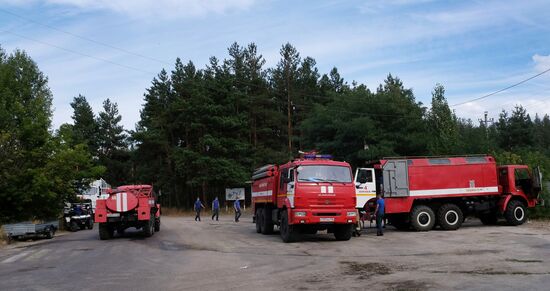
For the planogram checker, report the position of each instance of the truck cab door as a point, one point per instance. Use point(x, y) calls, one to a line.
point(365, 186)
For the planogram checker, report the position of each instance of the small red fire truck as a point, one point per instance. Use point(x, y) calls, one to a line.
point(428, 191)
point(306, 195)
point(128, 206)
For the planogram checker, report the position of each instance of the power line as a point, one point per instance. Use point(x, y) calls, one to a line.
point(79, 53)
point(503, 89)
point(85, 38)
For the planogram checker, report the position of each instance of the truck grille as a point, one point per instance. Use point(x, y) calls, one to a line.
point(326, 214)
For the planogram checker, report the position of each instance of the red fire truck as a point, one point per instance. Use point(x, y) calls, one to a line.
point(428, 191)
point(128, 206)
point(306, 195)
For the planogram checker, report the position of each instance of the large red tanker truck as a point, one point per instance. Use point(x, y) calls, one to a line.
point(128, 206)
point(422, 192)
point(305, 195)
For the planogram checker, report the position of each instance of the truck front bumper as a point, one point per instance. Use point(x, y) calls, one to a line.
point(324, 216)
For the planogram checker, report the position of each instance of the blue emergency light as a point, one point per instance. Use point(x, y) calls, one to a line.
point(318, 157)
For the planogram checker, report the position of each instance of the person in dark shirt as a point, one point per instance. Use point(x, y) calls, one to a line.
point(198, 208)
point(237, 207)
point(215, 208)
point(379, 214)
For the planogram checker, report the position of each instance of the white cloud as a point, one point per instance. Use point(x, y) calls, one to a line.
point(542, 63)
point(171, 9)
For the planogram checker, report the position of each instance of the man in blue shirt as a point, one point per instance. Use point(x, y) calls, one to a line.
point(379, 213)
point(215, 208)
point(237, 207)
point(198, 208)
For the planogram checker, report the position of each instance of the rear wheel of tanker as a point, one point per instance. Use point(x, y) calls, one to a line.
point(287, 233)
point(157, 224)
point(267, 224)
point(490, 218)
point(422, 218)
point(105, 231)
point(450, 217)
point(148, 228)
point(515, 213)
point(343, 232)
point(259, 213)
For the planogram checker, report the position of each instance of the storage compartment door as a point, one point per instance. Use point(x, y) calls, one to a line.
point(396, 178)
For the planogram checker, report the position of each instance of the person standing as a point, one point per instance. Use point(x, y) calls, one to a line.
point(215, 208)
point(379, 213)
point(237, 207)
point(198, 208)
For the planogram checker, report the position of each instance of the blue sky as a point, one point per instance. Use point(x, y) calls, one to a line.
point(471, 47)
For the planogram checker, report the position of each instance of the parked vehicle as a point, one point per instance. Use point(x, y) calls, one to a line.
point(28, 230)
point(422, 192)
point(308, 194)
point(128, 206)
point(78, 216)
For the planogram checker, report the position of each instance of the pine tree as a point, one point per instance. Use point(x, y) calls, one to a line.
point(113, 152)
point(85, 127)
point(442, 124)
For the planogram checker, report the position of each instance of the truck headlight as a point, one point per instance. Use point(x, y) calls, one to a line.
point(300, 213)
point(352, 213)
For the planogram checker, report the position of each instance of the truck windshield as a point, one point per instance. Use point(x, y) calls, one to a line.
point(324, 174)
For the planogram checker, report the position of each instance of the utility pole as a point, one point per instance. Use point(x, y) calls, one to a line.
point(485, 122)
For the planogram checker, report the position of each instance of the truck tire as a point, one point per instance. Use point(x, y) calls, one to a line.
point(489, 218)
point(259, 222)
point(422, 218)
point(515, 213)
point(267, 224)
point(157, 224)
point(74, 226)
point(450, 217)
point(343, 232)
point(82, 226)
point(148, 228)
point(105, 231)
point(90, 224)
point(287, 233)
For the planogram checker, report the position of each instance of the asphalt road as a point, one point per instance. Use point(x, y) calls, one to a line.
point(224, 255)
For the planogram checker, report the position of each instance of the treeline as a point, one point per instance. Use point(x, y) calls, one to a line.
point(205, 129)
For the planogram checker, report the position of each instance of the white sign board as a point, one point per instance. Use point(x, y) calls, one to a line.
point(232, 194)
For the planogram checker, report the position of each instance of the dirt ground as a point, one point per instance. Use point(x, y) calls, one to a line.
point(225, 255)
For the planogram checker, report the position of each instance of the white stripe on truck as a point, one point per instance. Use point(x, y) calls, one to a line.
point(124, 201)
point(262, 193)
point(453, 191)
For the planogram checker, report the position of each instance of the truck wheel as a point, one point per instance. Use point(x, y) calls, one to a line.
point(267, 224)
point(450, 217)
point(148, 228)
point(157, 224)
point(105, 231)
point(259, 222)
point(50, 233)
point(490, 218)
point(515, 213)
point(82, 226)
point(287, 233)
point(422, 218)
point(90, 224)
point(74, 226)
point(343, 232)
